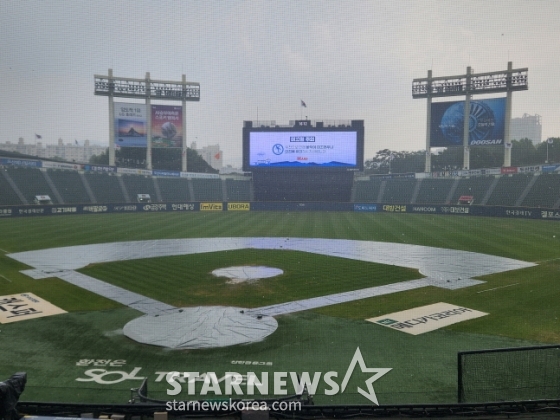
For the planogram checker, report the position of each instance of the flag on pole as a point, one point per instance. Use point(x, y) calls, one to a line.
point(76, 141)
point(37, 136)
point(508, 145)
point(550, 141)
point(303, 104)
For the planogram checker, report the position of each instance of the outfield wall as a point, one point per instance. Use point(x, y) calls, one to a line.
point(474, 210)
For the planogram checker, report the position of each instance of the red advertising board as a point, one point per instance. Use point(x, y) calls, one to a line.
point(509, 170)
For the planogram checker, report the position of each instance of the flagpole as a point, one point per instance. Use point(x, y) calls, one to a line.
point(302, 105)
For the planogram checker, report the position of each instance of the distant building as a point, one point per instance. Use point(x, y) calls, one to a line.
point(526, 127)
point(211, 154)
point(68, 152)
point(228, 169)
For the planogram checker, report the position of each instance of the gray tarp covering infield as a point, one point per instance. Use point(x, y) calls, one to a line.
point(207, 326)
point(445, 268)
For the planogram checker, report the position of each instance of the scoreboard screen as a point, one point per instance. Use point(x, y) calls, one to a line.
point(303, 148)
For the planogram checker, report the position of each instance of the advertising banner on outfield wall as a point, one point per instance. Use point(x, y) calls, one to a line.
point(474, 210)
point(506, 170)
point(21, 162)
point(199, 175)
point(486, 123)
point(167, 126)
point(62, 165)
point(159, 172)
point(372, 208)
point(551, 168)
point(130, 125)
point(211, 206)
point(239, 206)
point(100, 168)
point(134, 171)
point(529, 169)
point(409, 175)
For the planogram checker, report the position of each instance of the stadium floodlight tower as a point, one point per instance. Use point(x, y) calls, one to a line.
point(488, 121)
point(133, 123)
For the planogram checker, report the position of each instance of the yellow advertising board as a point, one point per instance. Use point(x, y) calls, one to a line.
point(211, 206)
point(239, 206)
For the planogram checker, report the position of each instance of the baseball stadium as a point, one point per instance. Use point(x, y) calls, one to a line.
point(140, 283)
point(322, 286)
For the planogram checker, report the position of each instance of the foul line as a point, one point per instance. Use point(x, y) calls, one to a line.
point(5, 278)
point(496, 288)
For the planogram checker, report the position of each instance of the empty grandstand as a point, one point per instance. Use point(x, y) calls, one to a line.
point(19, 186)
point(174, 189)
point(106, 188)
point(208, 190)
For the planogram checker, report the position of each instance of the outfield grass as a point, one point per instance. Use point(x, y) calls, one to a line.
point(522, 304)
point(528, 240)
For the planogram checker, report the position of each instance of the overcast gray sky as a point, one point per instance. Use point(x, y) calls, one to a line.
point(258, 59)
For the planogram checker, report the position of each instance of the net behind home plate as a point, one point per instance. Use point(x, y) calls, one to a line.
point(513, 374)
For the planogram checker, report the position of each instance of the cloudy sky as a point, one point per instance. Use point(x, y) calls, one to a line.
point(258, 59)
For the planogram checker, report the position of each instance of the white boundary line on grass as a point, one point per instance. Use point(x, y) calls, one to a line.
point(496, 288)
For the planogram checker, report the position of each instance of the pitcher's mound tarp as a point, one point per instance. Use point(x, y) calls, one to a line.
point(201, 327)
point(246, 273)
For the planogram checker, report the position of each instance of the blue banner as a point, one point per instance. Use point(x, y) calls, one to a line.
point(486, 123)
point(100, 168)
point(365, 207)
point(21, 162)
point(159, 172)
point(551, 168)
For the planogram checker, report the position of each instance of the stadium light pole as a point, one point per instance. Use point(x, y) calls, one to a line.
point(147, 89)
point(467, 85)
point(111, 119)
point(466, 123)
point(184, 145)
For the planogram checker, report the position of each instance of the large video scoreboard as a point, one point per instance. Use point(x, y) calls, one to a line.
point(304, 146)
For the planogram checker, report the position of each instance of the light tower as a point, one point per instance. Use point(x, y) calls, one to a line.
point(146, 89)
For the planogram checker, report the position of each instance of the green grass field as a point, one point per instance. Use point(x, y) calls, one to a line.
point(522, 304)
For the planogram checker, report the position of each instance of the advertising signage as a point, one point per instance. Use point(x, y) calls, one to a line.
point(130, 125)
point(295, 148)
point(167, 126)
point(486, 123)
